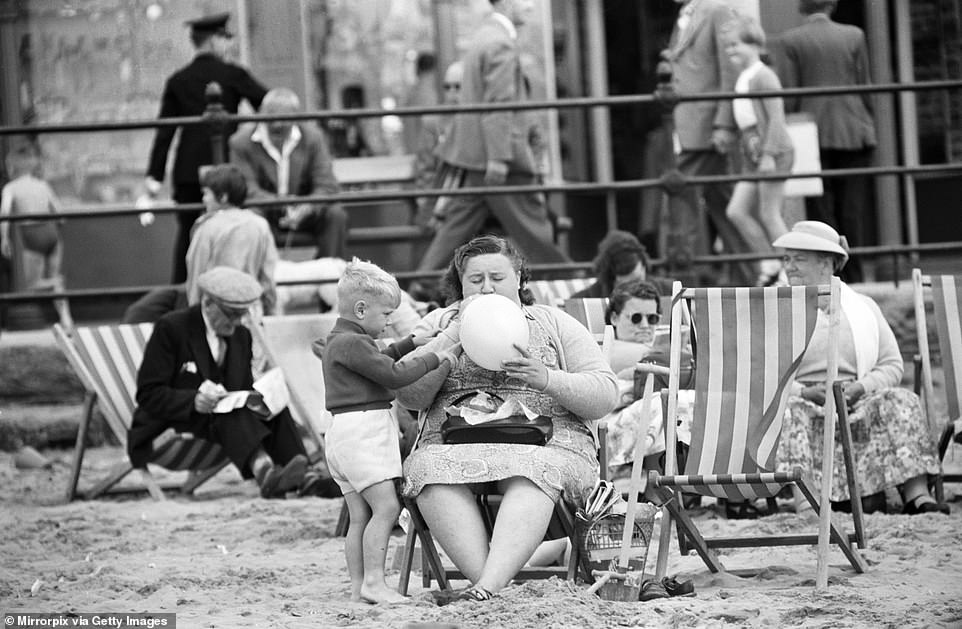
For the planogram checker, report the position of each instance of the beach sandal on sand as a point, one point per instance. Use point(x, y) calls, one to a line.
point(475, 593)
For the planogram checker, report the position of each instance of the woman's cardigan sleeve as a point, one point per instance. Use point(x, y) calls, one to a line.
point(586, 385)
point(887, 371)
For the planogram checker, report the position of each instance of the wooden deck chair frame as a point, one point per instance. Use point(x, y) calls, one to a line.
point(946, 292)
point(106, 359)
point(743, 484)
point(432, 566)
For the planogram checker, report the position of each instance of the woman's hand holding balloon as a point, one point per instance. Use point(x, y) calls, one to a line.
point(530, 370)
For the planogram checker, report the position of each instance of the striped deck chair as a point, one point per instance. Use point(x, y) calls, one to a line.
point(287, 343)
point(555, 292)
point(590, 312)
point(749, 344)
point(946, 293)
point(106, 359)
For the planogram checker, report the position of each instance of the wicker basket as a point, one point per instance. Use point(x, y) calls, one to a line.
point(601, 539)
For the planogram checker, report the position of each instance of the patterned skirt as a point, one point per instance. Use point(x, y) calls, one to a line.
point(891, 442)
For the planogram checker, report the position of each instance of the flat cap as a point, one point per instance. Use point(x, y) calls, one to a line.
point(230, 287)
point(216, 23)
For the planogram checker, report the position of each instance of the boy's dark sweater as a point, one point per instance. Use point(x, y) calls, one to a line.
point(358, 376)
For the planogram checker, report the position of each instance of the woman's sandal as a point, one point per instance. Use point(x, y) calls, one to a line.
point(475, 593)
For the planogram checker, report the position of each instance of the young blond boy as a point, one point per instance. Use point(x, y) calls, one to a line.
point(362, 446)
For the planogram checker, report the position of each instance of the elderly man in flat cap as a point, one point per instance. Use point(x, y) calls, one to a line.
point(184, 95)
point(193, 358)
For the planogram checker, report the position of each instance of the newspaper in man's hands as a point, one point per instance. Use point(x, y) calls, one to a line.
point(270, 393)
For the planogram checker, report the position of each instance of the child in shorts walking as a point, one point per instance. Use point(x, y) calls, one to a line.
point(362, 447)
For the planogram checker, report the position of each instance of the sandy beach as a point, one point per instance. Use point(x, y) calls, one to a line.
point(226, 558)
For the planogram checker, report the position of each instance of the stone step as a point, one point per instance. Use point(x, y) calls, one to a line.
point(34, 370)
point(48, 425)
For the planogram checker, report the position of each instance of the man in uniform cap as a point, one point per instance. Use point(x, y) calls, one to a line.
point(184, 95)
point(193, 358)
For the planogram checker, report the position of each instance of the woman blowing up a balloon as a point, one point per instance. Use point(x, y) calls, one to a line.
point(536, 355)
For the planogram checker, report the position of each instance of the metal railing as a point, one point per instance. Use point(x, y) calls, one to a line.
point(672, 181)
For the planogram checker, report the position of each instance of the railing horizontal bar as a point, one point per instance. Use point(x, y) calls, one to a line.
point(537, 271)
point(350, 197)
point(562, 103)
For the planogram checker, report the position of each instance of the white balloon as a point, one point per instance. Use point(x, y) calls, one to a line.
point(491, 325)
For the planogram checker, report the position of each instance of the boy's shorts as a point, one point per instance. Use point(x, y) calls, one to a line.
point(363, 449)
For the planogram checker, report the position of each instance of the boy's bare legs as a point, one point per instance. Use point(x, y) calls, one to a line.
point(381, 499)
point(360, 515)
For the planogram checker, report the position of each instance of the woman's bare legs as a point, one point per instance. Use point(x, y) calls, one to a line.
point(741, 212)
point(452, 514)
point(518, 530)
point(745, 212)
point(455, 522)
point(771, 195)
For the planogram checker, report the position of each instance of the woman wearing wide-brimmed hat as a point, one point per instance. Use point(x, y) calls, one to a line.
point(892, 446)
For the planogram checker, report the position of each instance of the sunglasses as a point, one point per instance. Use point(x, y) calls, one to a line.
point(451, 86)
point(652, 317)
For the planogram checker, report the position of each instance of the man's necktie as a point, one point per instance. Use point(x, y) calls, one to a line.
point(221, 350)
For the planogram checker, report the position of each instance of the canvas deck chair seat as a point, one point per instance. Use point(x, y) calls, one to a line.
point(106, 359)
point(946, 295)
point(749, 343)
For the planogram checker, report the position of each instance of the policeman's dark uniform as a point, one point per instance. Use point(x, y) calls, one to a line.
point(184, 96)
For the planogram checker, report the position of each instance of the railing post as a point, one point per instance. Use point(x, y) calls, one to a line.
point(216, 119)
point(679, 246)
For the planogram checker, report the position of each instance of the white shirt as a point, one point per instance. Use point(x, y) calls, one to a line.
point(684, 17)
point(742, 108)
point(213, 340)
point(282, 157)
point(506, 23)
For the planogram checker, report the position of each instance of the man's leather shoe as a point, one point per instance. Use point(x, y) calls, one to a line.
point(276, 481)
point(318, 484)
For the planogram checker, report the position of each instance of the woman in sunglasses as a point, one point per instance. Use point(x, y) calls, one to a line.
point(634, 310)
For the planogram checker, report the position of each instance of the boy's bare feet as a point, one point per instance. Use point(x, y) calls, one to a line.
point(381, 594)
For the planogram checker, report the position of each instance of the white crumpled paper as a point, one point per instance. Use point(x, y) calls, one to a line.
point(472, 415)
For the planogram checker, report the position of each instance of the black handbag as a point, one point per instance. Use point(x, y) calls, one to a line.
point(514, 429)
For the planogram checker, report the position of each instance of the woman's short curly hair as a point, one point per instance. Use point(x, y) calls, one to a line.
point(453, 289)
point(619, 252)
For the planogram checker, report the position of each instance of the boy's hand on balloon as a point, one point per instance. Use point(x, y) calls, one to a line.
point(530, 370)
point(450, 354)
